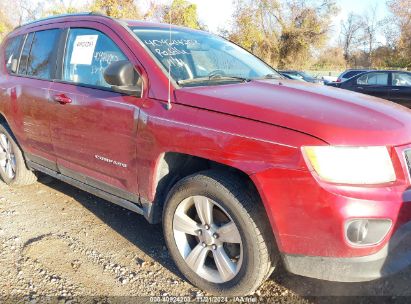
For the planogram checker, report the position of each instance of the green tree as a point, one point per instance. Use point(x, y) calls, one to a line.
point(5, 25)
point(122, 9)
point(247, 31)
point(62, 9)
point(180, 12)
point(331, 58)
point(283, 32)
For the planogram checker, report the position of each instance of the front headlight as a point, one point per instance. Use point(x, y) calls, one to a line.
point(351, 165)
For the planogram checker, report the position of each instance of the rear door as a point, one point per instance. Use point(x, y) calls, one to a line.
point(10, 57)
point(373, 83)
point(32, 107)
point(400, 90)
point(93, 128)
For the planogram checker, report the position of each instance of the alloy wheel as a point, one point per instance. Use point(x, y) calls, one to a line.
point(208, 239)
point(7, 157)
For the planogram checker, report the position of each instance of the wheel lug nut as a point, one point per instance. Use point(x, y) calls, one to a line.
point(204, 245)
point(215, 235)
point(207, 227)
point(214, 247)
point(199, 232)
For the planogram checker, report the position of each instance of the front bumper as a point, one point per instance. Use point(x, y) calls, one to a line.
point(394, 257)
point(309, 217)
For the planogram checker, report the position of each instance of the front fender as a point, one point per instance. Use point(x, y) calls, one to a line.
point(246, 145)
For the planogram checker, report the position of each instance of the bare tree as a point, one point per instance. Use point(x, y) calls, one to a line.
point(371, 26)
point(20, 11)
point(350, 35)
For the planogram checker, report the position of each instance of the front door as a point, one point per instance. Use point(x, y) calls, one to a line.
point(374, 83)
point(94, 129)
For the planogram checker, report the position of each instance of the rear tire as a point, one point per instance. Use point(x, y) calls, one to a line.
point(13, 169)
point(199, 246)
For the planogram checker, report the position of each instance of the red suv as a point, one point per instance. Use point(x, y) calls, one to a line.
point(243, 168)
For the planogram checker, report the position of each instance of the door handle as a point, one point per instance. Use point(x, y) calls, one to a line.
point(62, 99)
point(395, 89)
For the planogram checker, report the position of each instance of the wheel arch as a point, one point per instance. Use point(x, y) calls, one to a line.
point(3, 119)
point(171, 167)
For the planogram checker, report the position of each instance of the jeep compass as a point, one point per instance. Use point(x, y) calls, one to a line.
point(242, 167)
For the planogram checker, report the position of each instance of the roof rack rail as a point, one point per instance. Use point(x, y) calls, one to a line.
point(62, 16)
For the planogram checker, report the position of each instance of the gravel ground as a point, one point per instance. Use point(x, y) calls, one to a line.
point(58, 243)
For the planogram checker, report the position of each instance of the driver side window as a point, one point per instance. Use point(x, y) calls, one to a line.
point(401, 79)
point(89, 53)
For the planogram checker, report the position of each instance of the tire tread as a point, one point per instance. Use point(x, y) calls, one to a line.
point(24, 176)
point(249, 204)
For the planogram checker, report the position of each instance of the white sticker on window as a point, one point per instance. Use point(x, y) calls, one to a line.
point(83, 49)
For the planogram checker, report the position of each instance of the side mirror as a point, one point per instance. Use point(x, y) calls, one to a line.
point(123, 78)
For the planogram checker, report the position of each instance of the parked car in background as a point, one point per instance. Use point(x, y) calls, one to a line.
point(349, 74)
point(302, 75)
point(292, 77)
point(328, 79)
point(391, 85)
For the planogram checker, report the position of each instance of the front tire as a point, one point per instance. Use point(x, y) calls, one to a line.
point(218, 234)
point(13, 169)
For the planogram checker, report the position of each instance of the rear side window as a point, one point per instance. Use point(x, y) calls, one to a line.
point(373, 79)
point(352, 74)
point(42, 60)
point(25, 54)
point(12, 53)
point(88, 54)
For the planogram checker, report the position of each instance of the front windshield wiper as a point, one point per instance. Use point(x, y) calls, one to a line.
point(215, 78)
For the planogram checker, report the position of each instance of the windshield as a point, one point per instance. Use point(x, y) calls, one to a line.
point(198, 58)
point(294, 75)
point(306, 75)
